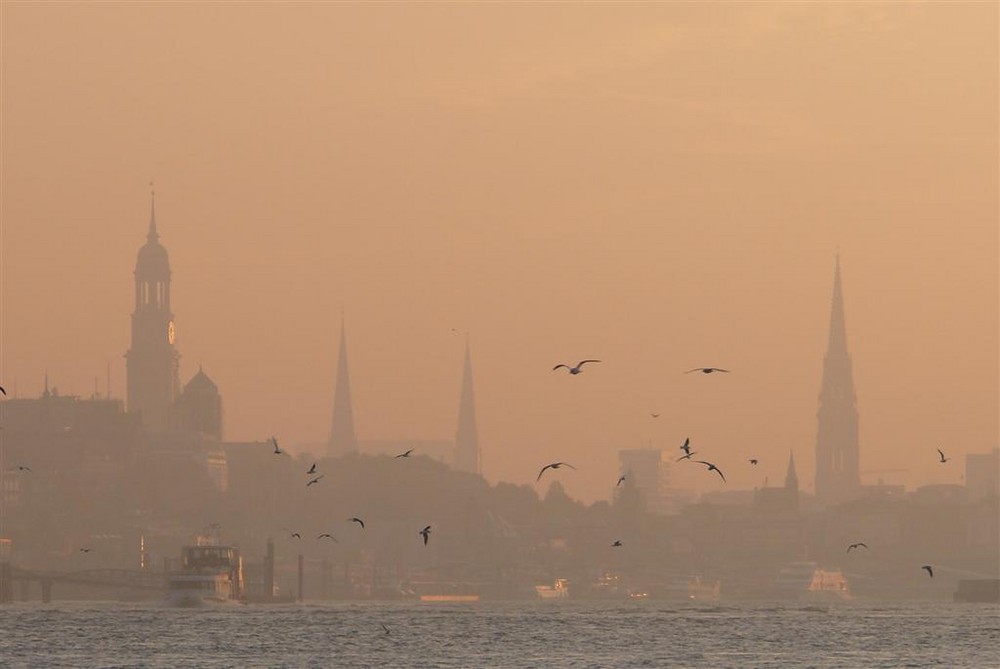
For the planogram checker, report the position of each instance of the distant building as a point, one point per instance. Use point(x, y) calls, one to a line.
point(152, 362)
point(780, 500)
point(982, 474)
point(466, 436)
point(838, 477)
point(650, 473)
point(343, 439)
point(199, 407)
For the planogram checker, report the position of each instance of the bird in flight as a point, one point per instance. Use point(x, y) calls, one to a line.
point(383, 624)
point(943, 459)
point(621, 479)
point(328, 536)
point(277, 451)
point(860, 544)
point(425, 533)
point(2, 391)
point(687, 456)
point(20, 468)
point(574, 370)
point(707, 370)
point(311, 470)
point(315, 480)
point(358, 521)
point(711, 468)
point(554, 465)
point(753, 461)
point(295, 535)
point(686, 446)
point(655, 415)
point(84, 550)
point(404, 455)
point(929, 569)
point(617, 543)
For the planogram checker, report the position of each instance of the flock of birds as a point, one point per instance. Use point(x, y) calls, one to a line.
point(425, 533)
point(688, 453)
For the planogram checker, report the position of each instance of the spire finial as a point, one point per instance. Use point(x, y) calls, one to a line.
point(152, 236)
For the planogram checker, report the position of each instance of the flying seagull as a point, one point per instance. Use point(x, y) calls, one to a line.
point(2, 391)
point(383, 624)
point(404, 455)
point(943, 459)
point(753, 461)
point(686, 446)
point(358, 521)
point(277, 451)
point(711, 468)
point(574, 370)
point(20, 468)
point(425, 533)
point(930, 570)
point(328, 536)
point(295, 535)
point(311, 470)
point(617, 543)
point(860, 544)
point(687, 456)
point(655, 415)
point(621, 479)
point(554, 465)
point(315, 480)
point(707, 370)
point(84, 550)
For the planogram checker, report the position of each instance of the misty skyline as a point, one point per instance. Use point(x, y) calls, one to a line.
point(635, 186)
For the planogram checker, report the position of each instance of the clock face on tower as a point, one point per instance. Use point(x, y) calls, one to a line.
point(171, 332)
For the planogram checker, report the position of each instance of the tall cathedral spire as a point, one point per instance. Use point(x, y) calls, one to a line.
point(342, 437)
point(791, 477)
point(837, 452)
point(467, 437)
point(152, 361)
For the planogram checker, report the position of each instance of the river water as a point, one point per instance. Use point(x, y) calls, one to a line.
point(499, 634)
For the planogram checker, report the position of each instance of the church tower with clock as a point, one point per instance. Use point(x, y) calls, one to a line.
point(152, 362)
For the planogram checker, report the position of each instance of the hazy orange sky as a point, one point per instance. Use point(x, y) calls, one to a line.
point(660, 186)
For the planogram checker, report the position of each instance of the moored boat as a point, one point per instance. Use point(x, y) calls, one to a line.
point(210, 574)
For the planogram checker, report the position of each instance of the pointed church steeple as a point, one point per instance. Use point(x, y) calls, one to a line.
point(791, 477)
point(467, 436)
point(152, 236)
point(152, 361)
point(343, 440)
point(838, 475)
point(837, 341)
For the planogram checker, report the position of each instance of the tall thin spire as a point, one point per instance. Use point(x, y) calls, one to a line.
point(343, 440)
point(838, 476)
point(838, 327)
point(791, 477)
point(467, 436)
point(152, 236)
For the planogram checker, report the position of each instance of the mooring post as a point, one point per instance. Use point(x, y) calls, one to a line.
point(6, 583)
point(301, 580)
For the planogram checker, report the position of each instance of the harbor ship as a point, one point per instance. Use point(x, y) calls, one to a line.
point(210, 574)
point(807, 581)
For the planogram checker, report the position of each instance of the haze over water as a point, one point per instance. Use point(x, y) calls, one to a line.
point(658, 186)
